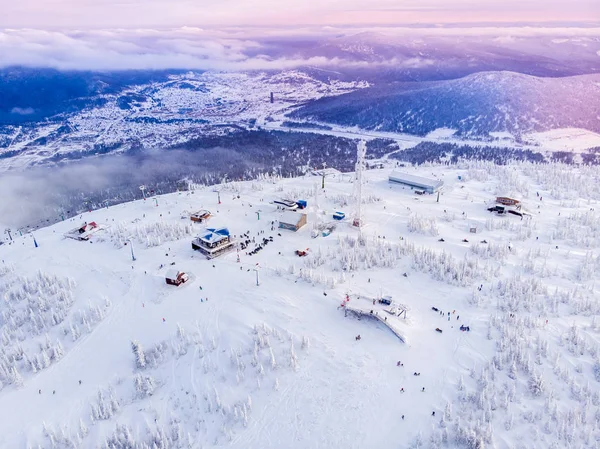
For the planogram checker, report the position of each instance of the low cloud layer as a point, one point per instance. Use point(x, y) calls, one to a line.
point(232, 49)
point(41, 195)
point(185, 48)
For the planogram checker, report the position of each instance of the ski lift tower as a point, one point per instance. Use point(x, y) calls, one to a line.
point(217, 190)
point(361, 151)
point(257, 269)
point(324, 173)
point(143, 189)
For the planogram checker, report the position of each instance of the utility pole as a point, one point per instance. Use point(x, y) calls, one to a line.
point(438, 197)
point(323, 177)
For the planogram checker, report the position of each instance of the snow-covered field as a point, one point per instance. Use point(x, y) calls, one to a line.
point(96, 350)
point(565, 139)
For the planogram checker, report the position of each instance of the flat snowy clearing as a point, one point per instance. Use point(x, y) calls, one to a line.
point(566, 139)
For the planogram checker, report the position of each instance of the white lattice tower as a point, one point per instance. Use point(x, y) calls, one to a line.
point(361, 151)
point(316, 210)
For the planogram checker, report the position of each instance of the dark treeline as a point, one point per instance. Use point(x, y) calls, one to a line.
point(452, 153)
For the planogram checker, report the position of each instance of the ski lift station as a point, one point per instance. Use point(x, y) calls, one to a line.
point(292, 220)
point(416, 182)
point(84, 232)
point(286, 204)
point(213, 242)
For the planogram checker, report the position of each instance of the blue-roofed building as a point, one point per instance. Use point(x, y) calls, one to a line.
point(213, 242)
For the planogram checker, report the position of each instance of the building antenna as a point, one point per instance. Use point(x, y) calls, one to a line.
point(361, 151)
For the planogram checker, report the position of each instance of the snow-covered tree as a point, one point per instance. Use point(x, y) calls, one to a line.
point(138, 352)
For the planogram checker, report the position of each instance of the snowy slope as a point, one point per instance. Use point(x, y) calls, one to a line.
point(475, 105)
point(227, 363)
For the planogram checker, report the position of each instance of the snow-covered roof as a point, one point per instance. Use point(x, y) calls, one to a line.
point(213, 235)
point(286, 203)
point(201, 213)
point(172, 274)
point(290, 217)
point(415, 180)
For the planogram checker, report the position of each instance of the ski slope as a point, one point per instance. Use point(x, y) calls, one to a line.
point(229, 363)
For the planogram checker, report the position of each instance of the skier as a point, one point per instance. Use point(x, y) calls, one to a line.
point(423, 389)
point(402, 390)
point(432, 413)
point(80, 382)
point(402, 417)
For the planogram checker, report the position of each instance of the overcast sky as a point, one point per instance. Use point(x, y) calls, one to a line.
point(209, 13)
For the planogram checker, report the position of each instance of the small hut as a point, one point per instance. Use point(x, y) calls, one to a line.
point(175, 277)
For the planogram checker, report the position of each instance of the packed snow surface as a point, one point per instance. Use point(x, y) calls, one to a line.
point(566, 139)
point(96, 350)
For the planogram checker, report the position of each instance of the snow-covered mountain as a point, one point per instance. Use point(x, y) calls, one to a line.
point(475, 105)
point(257, 351)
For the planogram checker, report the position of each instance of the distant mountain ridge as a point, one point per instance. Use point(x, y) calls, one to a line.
point(474, 105)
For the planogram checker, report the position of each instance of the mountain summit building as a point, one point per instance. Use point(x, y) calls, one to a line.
point(416, 182)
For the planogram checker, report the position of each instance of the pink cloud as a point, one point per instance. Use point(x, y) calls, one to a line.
point(175, 13)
